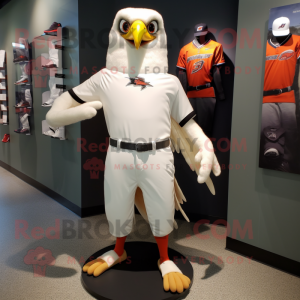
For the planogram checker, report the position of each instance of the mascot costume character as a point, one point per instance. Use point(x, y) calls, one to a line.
point(144, 107)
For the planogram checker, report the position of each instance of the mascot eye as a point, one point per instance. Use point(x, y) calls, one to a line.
point(124, 26)
point(153, 27)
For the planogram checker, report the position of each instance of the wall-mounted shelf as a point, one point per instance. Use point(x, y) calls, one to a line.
point(52, 54)
point(23, 91)
point(3, 89)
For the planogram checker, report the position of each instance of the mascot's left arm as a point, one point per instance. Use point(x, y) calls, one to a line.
point(205, 159)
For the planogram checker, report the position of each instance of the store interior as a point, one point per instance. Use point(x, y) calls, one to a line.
point(241, 241)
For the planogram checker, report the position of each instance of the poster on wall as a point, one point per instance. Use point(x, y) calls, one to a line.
point(280, 130)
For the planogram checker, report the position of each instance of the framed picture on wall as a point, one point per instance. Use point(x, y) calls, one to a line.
point(280, 120)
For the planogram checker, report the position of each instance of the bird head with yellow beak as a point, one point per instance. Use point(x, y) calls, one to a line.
point(138, 33)
point(137, 43)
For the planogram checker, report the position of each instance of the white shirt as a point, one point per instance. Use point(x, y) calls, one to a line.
point(138, 113)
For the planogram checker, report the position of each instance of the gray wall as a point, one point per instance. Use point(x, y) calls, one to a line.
point(56, 164)
point(270, 199)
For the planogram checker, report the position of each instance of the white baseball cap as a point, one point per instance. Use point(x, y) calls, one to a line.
point(281, 26)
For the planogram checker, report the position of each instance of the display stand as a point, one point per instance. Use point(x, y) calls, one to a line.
point(23, 85)
point(51, 68)
point(3, 90)
point(138, 277)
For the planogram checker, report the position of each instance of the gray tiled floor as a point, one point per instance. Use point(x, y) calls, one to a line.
point(220, 275)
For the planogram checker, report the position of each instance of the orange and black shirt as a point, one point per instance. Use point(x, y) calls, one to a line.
point(280, 68)
point(198, 60)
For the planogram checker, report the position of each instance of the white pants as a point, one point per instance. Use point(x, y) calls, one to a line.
point(153, 172)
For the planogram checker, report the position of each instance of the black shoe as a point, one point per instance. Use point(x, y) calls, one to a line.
point(20, 59)
point(18, 130)
point(52, 30)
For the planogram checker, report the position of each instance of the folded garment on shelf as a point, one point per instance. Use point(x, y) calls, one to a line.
point(2, 58)
point(4, 117)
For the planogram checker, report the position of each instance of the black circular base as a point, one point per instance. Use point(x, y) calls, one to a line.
point(136, 278)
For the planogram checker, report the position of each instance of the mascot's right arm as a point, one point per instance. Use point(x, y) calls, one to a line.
point(66, 111)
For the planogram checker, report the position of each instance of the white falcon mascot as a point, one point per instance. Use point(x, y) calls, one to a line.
point(144, 107)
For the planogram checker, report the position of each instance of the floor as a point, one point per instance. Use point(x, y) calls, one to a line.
point(219, 274)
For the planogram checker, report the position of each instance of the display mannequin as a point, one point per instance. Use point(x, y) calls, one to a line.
point(198, 65)
point(140, 107)
point(279, 139)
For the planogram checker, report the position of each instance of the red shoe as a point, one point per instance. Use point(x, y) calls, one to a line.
point(22, 104)
point(20, 59)
point(6, 138)
point(22, 80)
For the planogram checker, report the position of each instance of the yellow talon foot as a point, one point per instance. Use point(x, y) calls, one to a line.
point(86, 266)
point(176, 282)
point(98, 266)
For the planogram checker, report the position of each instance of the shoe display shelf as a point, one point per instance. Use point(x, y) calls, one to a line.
point(55, 133)
point(3, 90)
point(23, 85)
point(50, 55)
point(52, 61)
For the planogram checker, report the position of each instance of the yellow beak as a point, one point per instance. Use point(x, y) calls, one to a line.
point(137, 33)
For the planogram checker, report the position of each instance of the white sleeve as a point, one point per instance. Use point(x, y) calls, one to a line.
point(88, 90)
point(181, 110)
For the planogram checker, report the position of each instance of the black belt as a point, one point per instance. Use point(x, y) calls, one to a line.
point(278, 91)
point(140, 147)
point(199, 87)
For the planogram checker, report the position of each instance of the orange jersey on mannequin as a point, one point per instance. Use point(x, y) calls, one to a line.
point(198, 61)
point(280, 68)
